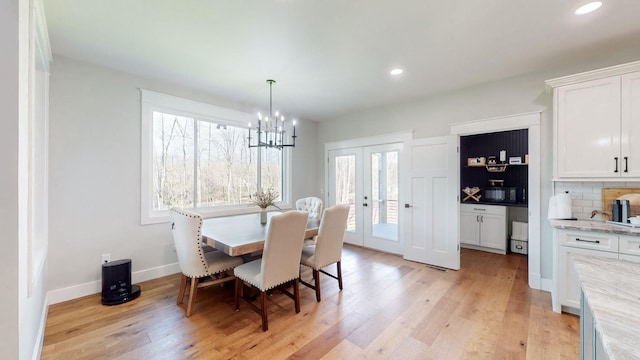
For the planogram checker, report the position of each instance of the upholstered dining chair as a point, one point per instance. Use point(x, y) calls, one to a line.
point(328, 247)
point(313, 206)
point(196, 264)
point(280, 263)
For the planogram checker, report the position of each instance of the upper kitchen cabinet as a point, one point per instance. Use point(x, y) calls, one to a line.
point(597, 124)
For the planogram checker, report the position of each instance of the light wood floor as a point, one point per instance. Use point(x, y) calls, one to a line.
point(389, 309)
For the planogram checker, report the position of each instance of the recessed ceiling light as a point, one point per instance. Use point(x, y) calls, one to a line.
point(396, 71)
point(587, 8)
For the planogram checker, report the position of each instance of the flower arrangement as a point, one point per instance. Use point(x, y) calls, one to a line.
point(263, 199)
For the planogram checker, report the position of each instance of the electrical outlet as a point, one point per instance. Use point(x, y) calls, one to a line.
point(106, 258)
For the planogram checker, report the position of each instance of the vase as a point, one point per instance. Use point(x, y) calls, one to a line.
point(263, 216)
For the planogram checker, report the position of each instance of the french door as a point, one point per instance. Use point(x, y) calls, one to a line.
point(367, 179)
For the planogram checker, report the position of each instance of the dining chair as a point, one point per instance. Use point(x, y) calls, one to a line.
point(328, 247)
point(313, 205)
point(279, 265)
point(196, 264)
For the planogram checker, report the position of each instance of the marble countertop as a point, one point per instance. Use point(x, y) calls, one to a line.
point(612, 288)
point(598, 226)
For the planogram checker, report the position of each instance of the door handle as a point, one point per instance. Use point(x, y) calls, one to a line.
point(365, 204)
point(406, 206)
point(616, 160)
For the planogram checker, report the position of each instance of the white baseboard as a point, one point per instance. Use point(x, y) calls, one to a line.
point(547, 284)
point(94, 287)
point(539, 283)
point(534, 281)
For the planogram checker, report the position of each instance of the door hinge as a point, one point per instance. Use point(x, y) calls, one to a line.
point(458, 247)
point(458, 148)
point(457, 198)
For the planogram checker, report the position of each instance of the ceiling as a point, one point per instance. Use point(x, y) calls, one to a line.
point(333, 57)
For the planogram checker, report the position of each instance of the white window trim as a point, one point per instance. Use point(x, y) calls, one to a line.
point(153, 101)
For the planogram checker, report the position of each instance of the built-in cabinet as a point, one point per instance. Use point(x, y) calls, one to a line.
point(484, 227)
point(597, 124)
point(566, 291)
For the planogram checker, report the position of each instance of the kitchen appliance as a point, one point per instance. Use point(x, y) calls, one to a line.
point(500, 194)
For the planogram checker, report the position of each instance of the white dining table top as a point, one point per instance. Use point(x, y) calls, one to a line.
point(243, 234)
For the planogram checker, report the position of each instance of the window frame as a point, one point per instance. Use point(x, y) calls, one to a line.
point(153, 101)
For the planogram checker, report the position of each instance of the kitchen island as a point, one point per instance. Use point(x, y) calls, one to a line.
point(610, 322)
point(594, 238)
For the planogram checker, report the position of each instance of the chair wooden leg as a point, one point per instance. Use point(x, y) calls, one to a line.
point(339, 274)
point(238, 293)
point(296, 294)
point(183, 287)
point(192, 295)
point(263, 308)
point(316, 279)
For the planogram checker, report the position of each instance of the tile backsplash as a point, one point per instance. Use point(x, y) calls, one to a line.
point(586, 196)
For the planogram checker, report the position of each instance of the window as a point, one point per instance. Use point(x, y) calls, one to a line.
point(196, 156)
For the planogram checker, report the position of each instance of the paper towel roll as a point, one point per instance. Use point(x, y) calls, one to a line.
point(560, 206)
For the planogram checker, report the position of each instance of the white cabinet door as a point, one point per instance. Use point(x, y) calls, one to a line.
point(588, 129)
point(493, 231)
point(568, 284)
point(484, 227)
point(631, 125)
point(469, 228)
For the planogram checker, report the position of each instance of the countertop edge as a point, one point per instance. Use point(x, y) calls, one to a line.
point(597, 226)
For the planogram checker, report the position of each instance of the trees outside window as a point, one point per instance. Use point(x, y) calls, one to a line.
point(196, 161)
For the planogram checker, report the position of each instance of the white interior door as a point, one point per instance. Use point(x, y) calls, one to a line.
point(345, 187)
point(381, 196)
point(432, 234)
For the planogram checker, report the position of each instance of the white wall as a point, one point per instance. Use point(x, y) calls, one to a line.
point(95, 175)
point(9, 179)
point(432, 116)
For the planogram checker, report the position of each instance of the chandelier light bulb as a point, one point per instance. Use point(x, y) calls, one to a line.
point(259, 116)
point(294, 123)
point(249, 124)
point(282, 118)
point(266, 119)
point(277, 113)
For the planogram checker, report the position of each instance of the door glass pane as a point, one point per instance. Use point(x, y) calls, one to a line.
point(384, 195)
point(346, 186)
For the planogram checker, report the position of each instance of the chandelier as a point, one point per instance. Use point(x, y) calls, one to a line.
point(271, 130)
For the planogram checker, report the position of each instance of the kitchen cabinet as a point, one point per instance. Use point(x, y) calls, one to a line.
point(484, 227)
point(566, 292)
point(597, 124)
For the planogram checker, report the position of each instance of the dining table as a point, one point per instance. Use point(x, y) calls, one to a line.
point(239, 235)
